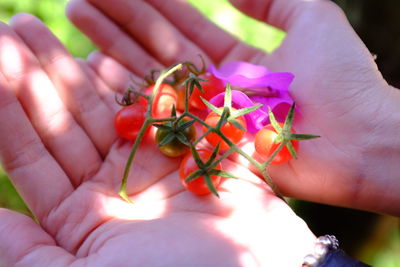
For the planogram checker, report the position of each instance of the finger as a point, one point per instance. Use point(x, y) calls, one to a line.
point(215, 42)
point(104, 91)
point(75, 90)
point(58, 130)
point(24, 243)
point(155, 33)
point(170, 37)
point(279, 13)
point(36, 175)
point(111, 39)
point(115, 75)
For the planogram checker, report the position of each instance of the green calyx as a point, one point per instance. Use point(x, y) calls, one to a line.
point(174, 137)
point(207, 169)
point(284, 133)
point(228, 113)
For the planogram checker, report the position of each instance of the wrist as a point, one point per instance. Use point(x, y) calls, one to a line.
point(380, 169)
point(323, 245)
point(327, 254)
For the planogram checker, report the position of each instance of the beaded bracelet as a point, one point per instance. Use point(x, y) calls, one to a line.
point(322, 246)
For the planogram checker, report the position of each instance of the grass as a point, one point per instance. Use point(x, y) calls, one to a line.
point(9, 197)
point(243, 27)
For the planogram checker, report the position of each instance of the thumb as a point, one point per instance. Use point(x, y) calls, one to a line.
point(24, 243)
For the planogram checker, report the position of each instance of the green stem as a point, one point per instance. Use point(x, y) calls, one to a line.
point(271, 184)
point(149, 119)
point(202, 136)
point(224, 156)
point(188, 114)
point(280, 147)
point(187, 98)
point(160, 79)
point(248, 157)
point(161, 120)
point(122, 190)
point(262, 168)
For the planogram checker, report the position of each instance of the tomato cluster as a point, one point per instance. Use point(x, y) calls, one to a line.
point(176, 135)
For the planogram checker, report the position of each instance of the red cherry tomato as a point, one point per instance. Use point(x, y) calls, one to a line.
point(265, 145)
point(228, 129)
point(130, 119)
point(188, 165)
point(163, 101)
point(181, 98)
point(211, 87)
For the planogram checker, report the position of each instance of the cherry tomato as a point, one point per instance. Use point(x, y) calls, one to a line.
point(265, 145)
point(175, 147)
point(130, 119)
point(188, 165)
point(163, 101)
point(228, 129)
point(181, 98)
point(211, 87)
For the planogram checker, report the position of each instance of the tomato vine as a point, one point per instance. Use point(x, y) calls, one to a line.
point(224, 130)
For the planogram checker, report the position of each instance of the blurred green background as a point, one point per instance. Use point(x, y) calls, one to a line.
point(373, 238)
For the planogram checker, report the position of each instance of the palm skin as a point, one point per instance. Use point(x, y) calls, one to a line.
point(61, 152)
point(339, 91)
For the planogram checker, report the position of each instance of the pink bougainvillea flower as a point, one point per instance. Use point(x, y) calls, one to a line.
point(255, 84)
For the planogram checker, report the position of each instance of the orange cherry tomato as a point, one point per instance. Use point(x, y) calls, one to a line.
point(233, 133)
point(265, 145)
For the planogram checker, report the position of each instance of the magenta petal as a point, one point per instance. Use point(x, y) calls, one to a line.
point(247, 75)
point(245, 69)
point(279, 105)
point(255, 120)
point(278, 80)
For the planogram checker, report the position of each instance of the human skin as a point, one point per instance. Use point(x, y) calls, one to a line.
point(59, 148)
point(338, 89)
point(65, 160)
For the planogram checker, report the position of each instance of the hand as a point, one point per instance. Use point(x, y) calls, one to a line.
point(340, 93)
point(59, 148)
